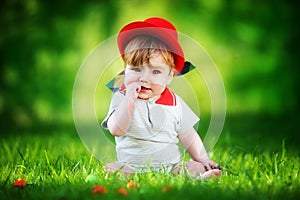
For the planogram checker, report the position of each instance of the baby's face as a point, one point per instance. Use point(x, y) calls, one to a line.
point(153, 77)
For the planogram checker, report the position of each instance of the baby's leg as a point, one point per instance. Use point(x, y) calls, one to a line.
point(194, 168)
point(115, 166)
point(197, 169)
point(211, 173)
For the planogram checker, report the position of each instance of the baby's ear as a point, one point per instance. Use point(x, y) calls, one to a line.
point(170, 76)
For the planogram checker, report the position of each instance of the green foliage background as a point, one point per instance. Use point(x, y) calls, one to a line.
point(255, 45)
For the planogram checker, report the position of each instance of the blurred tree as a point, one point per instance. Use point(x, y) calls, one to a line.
point(260, 41)
point(40, 56)
point(42, 44)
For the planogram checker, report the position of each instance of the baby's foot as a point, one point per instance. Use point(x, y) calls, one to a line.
point(211, 173)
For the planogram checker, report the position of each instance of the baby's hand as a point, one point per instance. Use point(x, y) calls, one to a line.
point(132, 90)
point(209, 165)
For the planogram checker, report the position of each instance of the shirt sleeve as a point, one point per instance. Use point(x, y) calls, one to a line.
point(188, 117)
point(115, 101)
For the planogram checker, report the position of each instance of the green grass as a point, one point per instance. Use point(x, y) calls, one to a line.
point(55, 166)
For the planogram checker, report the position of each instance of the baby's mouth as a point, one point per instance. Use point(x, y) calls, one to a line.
point(145, 88)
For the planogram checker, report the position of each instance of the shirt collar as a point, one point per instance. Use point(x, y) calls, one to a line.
point(167, 97)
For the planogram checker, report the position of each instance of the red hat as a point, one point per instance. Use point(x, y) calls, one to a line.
point(155, 27)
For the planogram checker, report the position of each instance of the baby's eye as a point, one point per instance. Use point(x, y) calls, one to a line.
point(156, 72)
point(136, 69)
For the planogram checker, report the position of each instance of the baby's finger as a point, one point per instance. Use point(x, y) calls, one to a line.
point(217, 166)
point(138, 89)
point(207, 167)
point(214, 165)
point(133, 89)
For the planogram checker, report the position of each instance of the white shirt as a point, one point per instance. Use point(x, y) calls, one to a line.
point(152, 138)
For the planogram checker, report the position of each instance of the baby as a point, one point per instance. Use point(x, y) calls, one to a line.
point(147, 119)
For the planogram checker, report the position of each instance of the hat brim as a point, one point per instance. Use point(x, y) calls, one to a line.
point(168, 36)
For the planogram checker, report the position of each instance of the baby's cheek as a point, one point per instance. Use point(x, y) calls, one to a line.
point(158, 89)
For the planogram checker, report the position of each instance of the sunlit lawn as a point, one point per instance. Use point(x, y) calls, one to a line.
point(56, 166)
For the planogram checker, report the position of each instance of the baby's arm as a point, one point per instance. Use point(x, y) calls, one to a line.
point(119, 121)
point(193, 144)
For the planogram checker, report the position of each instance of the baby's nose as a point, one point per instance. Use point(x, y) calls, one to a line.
point(145, 77)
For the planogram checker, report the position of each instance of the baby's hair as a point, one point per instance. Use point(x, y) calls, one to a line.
point(141, 48)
